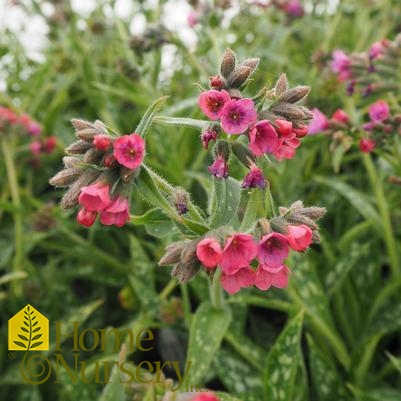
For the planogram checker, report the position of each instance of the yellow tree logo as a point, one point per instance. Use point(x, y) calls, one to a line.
point(28, 330)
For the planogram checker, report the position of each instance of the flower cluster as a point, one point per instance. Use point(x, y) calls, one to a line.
point(373, 71)
point(276, 129)
point(100, 172)
point(24, 125)
point(246, 259)
point(380, 128)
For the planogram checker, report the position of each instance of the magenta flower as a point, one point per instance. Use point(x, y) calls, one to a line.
point(95, 197)
point(379, 111)
point(301, 131)
point(193, 18)
point(340, 116)
point(232, 283)
point(340, 64)
point(238, 115)
point(273, 249)
point(49, 144)
point(116, 213)
point(376, 50)
point(36, 148)
point(294, 8)
point(209, 252)
point(366, 145)
point(287, 147)
point(263, 138)
point(86, 218)
point(319, 122)
point(238, 252)
point(254, 179)
point(267, 277)
point(212, 101)
point(207, 396)
point(129, 150)
point(299, 237)
point(219, 167)
point(102, 142)
point(210, 134)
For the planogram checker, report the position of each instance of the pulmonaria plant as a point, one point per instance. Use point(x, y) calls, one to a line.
point(272, 123)
point(15, 126)
point(99, 173)
point(235, 250)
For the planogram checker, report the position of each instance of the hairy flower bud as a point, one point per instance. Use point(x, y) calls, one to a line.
point(228, 63)
point(281, 85)
point(296, 94)
point(243, 154)
point(71, 161)
point(180, 200)
point(79, 147)
point(173, 253)
point(66, 177)
point(87, 134)
point(238, 77)
point(184, 272)
point(80, 125)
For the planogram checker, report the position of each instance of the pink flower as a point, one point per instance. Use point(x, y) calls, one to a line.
point(379, 111)
point(254, 179)
point(301, 131)
point(366, 145)
point(319, 122)
point(210, 134)
point(370, 126)
point(129, 150)
point(238, 252)
point(102, 142)
point(212, 101)
point(50, 144)
point(267, 277)
point(205, 397)
point(86, 218)
point(294, 8)
point(263, 138)
point(232, 283)
point(286, 149)
point(35, 147)
point(117, 212)
point(209, 252)
point(7, 115)
point(299, 237)
point(219, 167)
point(340, 64)
point(95, 197)
point(32, 127)
point(340, 116)
point(238, 115)
point(283, 127)
point(273, 249)
point(376, 50)
point(193, 18)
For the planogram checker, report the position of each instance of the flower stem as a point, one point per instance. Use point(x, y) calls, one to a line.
point(389, 240)
point(8, 154)
point(216, 293)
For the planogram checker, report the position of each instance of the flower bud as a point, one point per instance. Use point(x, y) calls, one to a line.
point(173, 253)
point(243, 154)
point(87, 134)
point(184, 272)
point(238, 77)
point(281, 85)
point(79, 147)
point(252, 63)
point(228, 63)
point(180, 200)
point(71, 161)
point(288, 111)
point(216, 82)
point(296, 94)
point(92, 156)
point(66, 177)
point(80, 125)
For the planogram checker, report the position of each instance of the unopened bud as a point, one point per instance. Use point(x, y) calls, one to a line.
point(314, 212)
point(281, 85)
point(180, 200)
point(80, 125)
point(92, 156)
point(228, 63)
point(288, 111)
point(87, 134)
point(243, 154)
point(184, 272)
point(173, 253)
point(252, 63)
point(71, 161)
point(315, 237)
point(188, 254)
point(238, 77)
point(64, 178)
point(222, 149)
point(216, 82)
point(301, 219)
point(296, 94)
point(78, 147)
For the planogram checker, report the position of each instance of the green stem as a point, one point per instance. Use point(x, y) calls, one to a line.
point(8, 154)
point(388, 233)
point(270, 209)
point(171, 285)
point(216, 293)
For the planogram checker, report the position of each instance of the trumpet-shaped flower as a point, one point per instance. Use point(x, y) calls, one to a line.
point(273, 249)
point(129, 150)
point(209, 252)
point(238, 115)
point(95, 197)
point(212, 101)
point(232, 283)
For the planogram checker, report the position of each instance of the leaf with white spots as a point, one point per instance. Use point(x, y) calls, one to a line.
point(208, 328)
point(226, 198)
point(283, 362)
point(325, 377)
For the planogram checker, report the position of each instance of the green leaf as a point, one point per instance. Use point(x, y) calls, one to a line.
point(226, 198)
point(36, 344)
point(208, 328)
point(22, 337)
point(156, 223)
point(114, 390)
point(255, 208)
point(357, 199)
point(36, 337)
point(226, 397)
point(20, 344)
point(324, 375)
point(181, 121)
point(283, 362)
point(396, 362)
point(146, 121)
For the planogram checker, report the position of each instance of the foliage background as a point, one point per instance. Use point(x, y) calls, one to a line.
point(334, 334)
